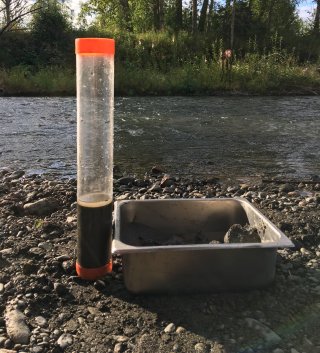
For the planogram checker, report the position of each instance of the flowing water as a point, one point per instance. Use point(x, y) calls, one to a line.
point(235, 137)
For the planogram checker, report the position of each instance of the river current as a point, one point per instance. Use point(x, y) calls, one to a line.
point(227, 137)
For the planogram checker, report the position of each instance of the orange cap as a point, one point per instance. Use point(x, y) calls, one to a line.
point(95, 46)
point(92, 274)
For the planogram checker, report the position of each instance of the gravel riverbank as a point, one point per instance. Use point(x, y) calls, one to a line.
point(45, 307)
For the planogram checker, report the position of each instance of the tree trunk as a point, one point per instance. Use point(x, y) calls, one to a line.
point(316, 25)
point(203, 15)
point(156, 18)
point(178, 15)
point(126, 14)
point(194, 16)
point(158, 14)
point(8, 11)
point(210, 13)
point(233, 16)
point(270, 15)
point(161, 14)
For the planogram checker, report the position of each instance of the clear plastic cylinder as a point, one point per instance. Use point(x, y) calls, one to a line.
point(95, 104)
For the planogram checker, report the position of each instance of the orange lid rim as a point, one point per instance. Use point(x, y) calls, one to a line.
point(91, 274)
point(95, 46)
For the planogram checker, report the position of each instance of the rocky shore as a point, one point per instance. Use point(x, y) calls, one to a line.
point(45, 307)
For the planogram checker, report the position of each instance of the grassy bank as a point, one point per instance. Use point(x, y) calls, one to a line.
point(22, 80)
point(252, 76)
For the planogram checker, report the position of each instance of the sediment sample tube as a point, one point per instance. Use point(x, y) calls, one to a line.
point(95, 102)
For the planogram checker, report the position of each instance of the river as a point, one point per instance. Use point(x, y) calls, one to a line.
point(227, 137)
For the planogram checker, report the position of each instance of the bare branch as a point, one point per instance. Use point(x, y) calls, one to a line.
point(17, 18)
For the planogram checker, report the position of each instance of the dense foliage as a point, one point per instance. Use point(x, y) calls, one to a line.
point(166, 39)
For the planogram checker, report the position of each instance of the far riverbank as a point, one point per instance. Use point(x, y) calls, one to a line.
point(190, 80)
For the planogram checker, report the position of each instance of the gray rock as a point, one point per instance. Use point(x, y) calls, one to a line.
point(8, 343)
point(42, 207)
point(242, 234)
point(60, 289)
point(2, 340)
point(16, 175)
point(1, 287)
point(155, 187)
point(286, 188)
point(166, 181)
point(269, 336)
point(29, 268)
point(157, 169)
point(125, 180)
point(17, 329)
point(65, 340)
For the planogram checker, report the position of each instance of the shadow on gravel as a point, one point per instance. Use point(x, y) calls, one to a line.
point(288, 307)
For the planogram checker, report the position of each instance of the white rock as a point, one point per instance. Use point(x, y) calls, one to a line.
point(123, 197)
point(118, 348)
point(17, 329)
point(121, 339)
point(65, 340)
point(170, 328)
point(41, 321)
point(294, 351)
point(304, 251)
point(71, 219)
point(46, 246)
point(1, 287)
point(2, 350)
point(200, 348)
point(7, 251)
point(270, 337)
point(180, 329)
point(278, 350)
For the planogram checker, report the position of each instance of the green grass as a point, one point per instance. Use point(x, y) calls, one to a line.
point(253, 75)
point(22, 80)
point(207, 79)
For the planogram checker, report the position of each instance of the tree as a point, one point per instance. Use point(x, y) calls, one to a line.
point(203, 15)
point(194, 16)
point(108, 13)
point(158, 14)
point(210, 15)
point(13, 12)
point(316, 25)
point(51, 29)
point(126, 14)
point(233, 16)
point(178, 24)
